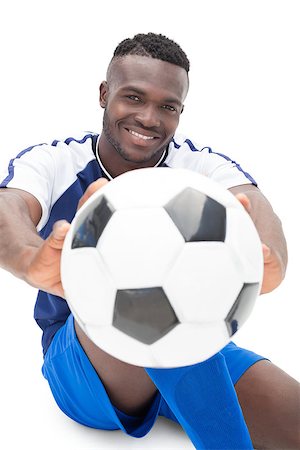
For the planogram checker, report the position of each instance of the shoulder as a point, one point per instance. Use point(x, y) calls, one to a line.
point(52, 149)
point(74, 140)
point(185, 143)
point(75, 144)
point(75, 152)
point(187, 153)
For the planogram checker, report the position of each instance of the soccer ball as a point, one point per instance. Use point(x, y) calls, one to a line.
point(161, 267)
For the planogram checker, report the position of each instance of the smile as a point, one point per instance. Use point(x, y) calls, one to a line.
point(140, 136)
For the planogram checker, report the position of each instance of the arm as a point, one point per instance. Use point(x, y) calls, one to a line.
point(270, 231)
point(22, 251)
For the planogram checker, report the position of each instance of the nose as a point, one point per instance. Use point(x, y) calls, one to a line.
point(148, 116)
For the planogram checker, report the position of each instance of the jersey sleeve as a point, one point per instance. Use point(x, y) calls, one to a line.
point(49, 171)
point(224, 170)
point(185, 153)
point(33, 171)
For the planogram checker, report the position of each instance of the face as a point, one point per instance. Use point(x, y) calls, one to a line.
point(143, 99)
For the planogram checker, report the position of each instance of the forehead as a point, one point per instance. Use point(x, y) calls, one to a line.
point(148, 74)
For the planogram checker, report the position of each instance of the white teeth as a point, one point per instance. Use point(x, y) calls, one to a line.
point(141, 136)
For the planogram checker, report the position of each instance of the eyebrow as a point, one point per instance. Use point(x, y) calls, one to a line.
point(141, 92)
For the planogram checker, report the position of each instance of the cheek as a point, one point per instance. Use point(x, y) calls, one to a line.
point(171, 124)
point(117, 109)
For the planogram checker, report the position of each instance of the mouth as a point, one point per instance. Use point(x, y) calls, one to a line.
point(140, 136)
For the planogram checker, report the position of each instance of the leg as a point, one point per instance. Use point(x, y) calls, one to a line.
point(203, 396)
point(129, 387)
point(270, 401)
point(80, 393)
point(203, 400)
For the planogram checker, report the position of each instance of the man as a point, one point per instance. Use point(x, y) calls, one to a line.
point(143, 97)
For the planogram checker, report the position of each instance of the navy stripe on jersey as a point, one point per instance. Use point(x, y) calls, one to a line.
point(71, 139)
point(11, 167)
point(175, 143)
point(190, 144)
point(247, 175)
point(65, 207)
point(94, 143)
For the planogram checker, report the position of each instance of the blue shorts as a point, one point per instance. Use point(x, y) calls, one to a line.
point(81, 395)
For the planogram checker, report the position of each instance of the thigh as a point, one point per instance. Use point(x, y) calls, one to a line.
point(79, 391)
point(270, 401)
point(129, 387)
point(75, 386)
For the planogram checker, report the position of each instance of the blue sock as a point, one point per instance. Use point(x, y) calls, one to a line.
point(203, 399)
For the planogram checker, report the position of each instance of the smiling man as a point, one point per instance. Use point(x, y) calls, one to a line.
point(234, 400)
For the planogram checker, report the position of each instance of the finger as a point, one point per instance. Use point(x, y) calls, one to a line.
point(244, 200)
point(93, 187)
point(267, 253)
point(59, 231)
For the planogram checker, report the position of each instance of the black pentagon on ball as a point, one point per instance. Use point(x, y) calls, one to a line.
point(89, 232)
point(144, 314)
point(197, 216)
point(242, 307)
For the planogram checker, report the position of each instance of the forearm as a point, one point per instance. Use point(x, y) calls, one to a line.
point(18, 235)
point(270, 230)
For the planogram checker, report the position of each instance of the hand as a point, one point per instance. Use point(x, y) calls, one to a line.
point(43, 270)
point(43, 262)
point(273, 265)
point(273, 270)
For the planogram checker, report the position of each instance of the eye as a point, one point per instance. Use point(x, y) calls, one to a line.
point(169, 108)
point(134, 98)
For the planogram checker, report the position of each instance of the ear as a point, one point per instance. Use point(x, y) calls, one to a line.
point(103, 90)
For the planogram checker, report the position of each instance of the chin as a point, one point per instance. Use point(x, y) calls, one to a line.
point(137, 157)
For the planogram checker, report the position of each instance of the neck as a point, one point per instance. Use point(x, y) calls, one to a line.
point(114, 164)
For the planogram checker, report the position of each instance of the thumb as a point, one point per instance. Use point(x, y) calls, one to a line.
point(267, 253)
point(92, 188)
point(59, 232)
point(244, 200)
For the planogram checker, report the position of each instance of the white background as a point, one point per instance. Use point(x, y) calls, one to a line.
point(243, 101)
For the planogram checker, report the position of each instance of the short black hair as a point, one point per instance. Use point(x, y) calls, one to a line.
point(155, 46)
